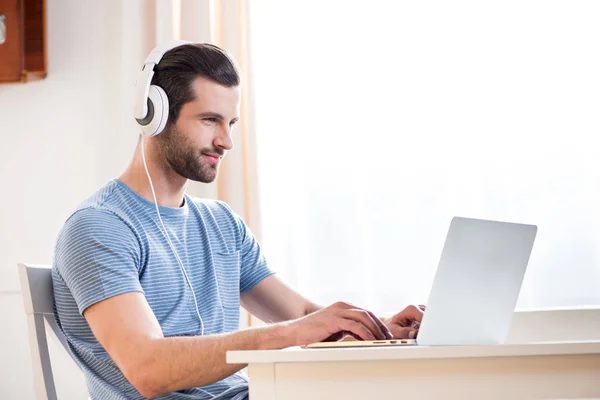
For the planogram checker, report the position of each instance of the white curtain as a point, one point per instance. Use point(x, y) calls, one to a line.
point(379, 121)
point(225, 24)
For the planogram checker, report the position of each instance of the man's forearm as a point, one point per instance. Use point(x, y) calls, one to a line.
point(176, 363)
point(311, 308)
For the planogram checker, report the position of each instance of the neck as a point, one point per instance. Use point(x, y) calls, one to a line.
point(169, 186)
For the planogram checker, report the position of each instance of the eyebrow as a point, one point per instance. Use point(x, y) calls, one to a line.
point(211, 114)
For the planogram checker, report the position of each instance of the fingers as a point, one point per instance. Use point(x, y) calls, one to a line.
point(342, 336)
point(384, 328)
point(405, 332)
point(412, 313)
point(417, 312)
point(336, 336)
point(356, 329)
point(350, 336)
point(365, 319)
point(411, 316)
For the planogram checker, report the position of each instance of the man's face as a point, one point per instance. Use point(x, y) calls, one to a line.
point(201, 136)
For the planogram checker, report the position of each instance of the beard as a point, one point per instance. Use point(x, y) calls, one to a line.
point(185, 160)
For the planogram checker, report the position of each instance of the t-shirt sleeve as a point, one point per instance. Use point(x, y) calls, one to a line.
point(253, 268)
point(98, 257)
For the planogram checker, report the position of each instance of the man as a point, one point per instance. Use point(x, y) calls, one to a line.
point(149, 301)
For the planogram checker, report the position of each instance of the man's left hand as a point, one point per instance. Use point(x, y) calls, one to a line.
point(405, 324)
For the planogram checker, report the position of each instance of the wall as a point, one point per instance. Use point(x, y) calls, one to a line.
point(60, 139)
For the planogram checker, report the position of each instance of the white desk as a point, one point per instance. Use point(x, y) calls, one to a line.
point(516, 371)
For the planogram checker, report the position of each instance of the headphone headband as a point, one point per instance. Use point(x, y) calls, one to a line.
point(159, 51)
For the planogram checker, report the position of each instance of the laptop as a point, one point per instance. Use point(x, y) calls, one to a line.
point(475, 289)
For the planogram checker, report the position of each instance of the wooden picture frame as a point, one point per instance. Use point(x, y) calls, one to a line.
point(23, 49)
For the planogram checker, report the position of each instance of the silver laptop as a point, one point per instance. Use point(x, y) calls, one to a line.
point(476, 286)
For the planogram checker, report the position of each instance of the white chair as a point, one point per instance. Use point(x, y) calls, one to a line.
point(38, 296)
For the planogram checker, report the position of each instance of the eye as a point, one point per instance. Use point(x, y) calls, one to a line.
point(212, 120)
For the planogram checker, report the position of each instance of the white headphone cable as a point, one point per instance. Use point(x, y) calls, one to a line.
point(169, 239)
point(179, 260)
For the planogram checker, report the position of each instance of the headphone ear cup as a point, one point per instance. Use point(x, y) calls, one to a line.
point(158, 112)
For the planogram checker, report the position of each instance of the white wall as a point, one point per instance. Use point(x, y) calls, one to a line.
point(60, 139)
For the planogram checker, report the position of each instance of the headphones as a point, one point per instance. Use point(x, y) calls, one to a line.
point(151, 104)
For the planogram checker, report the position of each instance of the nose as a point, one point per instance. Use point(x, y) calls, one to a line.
point(223, 140)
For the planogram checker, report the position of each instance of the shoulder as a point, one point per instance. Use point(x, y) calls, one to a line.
point(93, 220)
point(97, 219)
point(99, 211)
point(218, 210)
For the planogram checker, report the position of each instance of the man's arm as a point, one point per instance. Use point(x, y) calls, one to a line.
point(128, 330)
point(272, 300)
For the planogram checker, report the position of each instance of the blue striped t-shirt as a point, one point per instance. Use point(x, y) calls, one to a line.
point(113, 244)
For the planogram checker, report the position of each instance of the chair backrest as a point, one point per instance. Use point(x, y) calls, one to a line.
point(38, 297)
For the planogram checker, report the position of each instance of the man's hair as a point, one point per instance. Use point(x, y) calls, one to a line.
point(180, 66)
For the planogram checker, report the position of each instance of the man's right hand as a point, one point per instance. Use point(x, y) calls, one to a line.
point(336, 321)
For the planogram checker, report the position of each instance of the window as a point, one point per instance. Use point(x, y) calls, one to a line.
point(379, 121)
